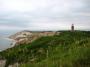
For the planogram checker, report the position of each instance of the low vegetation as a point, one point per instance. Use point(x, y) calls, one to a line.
point(69, 49)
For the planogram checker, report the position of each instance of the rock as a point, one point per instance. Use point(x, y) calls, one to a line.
point(14, 65)
point(2, 63)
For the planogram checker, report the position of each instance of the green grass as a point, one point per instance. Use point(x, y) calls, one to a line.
point(69, 49)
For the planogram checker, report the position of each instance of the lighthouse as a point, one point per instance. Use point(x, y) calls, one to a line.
point(72, 27)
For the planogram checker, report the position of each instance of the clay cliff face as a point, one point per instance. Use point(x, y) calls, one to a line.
point(29, 36)
point(2, 63)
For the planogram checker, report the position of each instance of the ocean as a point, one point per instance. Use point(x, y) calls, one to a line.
point(6, 43)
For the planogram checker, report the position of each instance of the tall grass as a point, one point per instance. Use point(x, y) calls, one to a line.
point(69, 49)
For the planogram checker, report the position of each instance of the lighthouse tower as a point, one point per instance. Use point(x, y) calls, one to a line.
point(72, 27)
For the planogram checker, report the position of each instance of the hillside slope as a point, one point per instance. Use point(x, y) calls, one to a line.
point(69, 49)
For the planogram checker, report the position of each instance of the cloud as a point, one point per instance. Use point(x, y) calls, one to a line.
point(6, 27)
point(44, 14)
point(85, 14)
point(33, 5)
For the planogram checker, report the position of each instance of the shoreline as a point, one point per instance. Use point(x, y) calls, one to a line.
point(10, 39)
point(12, 44)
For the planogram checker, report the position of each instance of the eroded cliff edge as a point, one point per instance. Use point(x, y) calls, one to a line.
point(29, 36)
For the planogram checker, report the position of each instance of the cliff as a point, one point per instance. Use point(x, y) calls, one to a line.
point(29, 36)
point(69, 49)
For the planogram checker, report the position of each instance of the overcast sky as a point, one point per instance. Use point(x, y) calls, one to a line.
point(44, 14)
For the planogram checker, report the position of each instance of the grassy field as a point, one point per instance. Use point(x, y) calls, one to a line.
point(69, 49)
